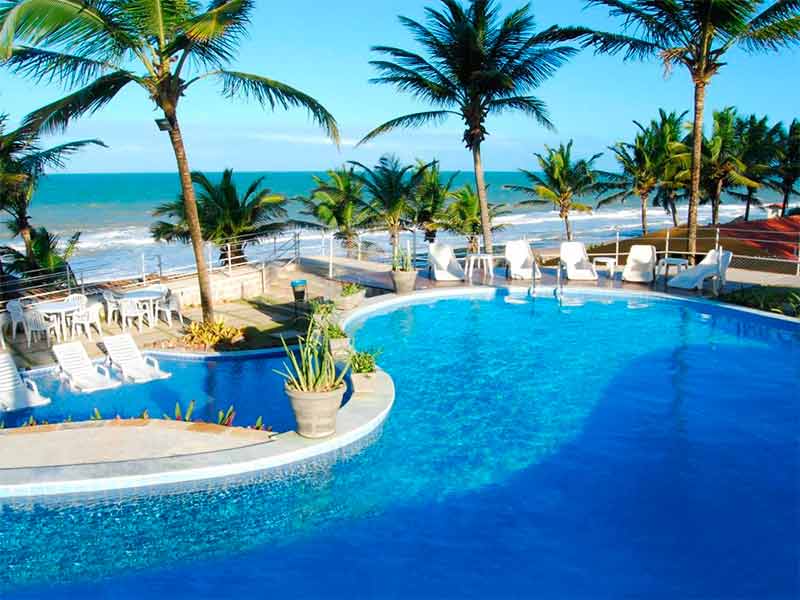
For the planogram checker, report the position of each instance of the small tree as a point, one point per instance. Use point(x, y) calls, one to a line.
point(785, 172)
point(758, 149)
point(561, 182)
point(463, 217)
point(429, 202)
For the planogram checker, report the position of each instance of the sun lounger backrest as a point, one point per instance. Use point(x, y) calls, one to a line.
point(10, 380)
point(573, 253)
point(72, 357)
point(517, 252)
point(642, 255)
point(441, 255)
point(123, 350)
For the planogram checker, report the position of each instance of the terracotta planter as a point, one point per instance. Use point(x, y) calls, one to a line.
point(363, 383)
point(345, 303)
point(404, 281)
point(315, 412)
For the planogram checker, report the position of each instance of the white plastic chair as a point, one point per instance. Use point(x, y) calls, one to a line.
point(17, 315)
point(714, 266)
point(129, 310)
point(79, 298)
point(125, 355)
point(83, 375)
point(443, 263)
point(576, 262)
point(521, 261)
point(85, 318)
point(640, 266)
point(165, 308)
point(16, 392)
point(112, 305)
point(36, 324)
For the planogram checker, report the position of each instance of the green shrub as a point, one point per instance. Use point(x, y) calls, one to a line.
point(210, 335)
point(363, 362)
point(772, 299)
point(335, 332)
point(350, 289)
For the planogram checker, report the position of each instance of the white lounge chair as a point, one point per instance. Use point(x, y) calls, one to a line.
point(124, 354)
point(714, 266)
point(575, 260)
point(443, 263)
point(83, 375)
point(521, 261)
point(16, 392)
point(641, 264)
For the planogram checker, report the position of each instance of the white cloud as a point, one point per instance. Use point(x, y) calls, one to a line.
point(291, 138)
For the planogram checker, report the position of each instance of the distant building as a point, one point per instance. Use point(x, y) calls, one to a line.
point(773, 210)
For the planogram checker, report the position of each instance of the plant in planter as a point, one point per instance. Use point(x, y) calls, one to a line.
point(363, 366)
point(339, 342)
point(352, 295)
point(313, 383)
point(404, 275)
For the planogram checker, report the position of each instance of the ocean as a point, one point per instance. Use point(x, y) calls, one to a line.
point(114, 212)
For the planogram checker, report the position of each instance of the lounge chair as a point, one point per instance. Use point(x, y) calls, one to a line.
point(641, 264)
point(443, 263)
point(714, 266)
point(83, 375)
point(575, 260)
point(16, 392)
point(124, 354)
point(521, 261)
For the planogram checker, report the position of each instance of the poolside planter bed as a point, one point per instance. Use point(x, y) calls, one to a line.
point(346, 303)
point(315, 412)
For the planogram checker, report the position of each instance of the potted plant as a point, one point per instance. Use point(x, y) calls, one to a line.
point(352, 295)
point(313, 383)
point(339, 342)
point(404, 275)
point(363, 366)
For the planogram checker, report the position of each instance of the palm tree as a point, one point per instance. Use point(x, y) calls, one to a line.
point(561, 182)
point(675, 175)
point(723, 168)
point(641, 164)
point(227, 219)
point(758, 148)
point(429, 202)
point(696, 34)
point(474, 63)
point(786, 169)
point(391, 187)
point(463, 216)
point(47, 260)
point(338, 203)
point(92, 46)
point(22, 164)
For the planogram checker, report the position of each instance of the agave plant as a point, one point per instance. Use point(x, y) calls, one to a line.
point(312, 368)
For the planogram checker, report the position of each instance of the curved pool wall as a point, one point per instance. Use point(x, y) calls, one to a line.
point(662, 464)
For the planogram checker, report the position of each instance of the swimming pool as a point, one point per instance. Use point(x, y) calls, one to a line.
point(608, 446)
point(214, 384)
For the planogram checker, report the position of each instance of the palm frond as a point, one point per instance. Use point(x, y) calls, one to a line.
point(410, 122)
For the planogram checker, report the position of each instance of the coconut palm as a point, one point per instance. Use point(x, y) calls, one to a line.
point(757, 151)
point(785, 171)
point(429, 202)
point(463, 216)
point(695, 34)
point(474, 63)
point(338, 203)
point(47, 260)
point(391, 186)
point(641, 164)
point(93, 46)
point(675, 175)
point(561, 182)
point(227, 219)
point(22, 163)
point(723, 168)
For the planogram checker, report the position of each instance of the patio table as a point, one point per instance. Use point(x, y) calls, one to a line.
point(149, 298)
point(60, 309)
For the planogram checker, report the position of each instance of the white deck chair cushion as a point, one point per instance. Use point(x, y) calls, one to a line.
point(443, 263)
point(641, 264)
point(574, 257)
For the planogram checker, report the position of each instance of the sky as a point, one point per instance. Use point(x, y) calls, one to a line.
point(323, 49)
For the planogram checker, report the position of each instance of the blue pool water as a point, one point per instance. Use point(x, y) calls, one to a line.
point(606, 448)
point(214, 385)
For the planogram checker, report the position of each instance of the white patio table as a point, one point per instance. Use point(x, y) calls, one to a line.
point(60, 309)
point(149, 298)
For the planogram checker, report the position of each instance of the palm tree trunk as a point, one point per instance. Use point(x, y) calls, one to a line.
point(645, 197)
point(785, 207)
point(715, 203)
point(697, 158)
point(25, 234)
point(394, 237)
point(673, 209)
point(568, 227)
point(480, 184)
point(749, 202)
point(192, 217)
